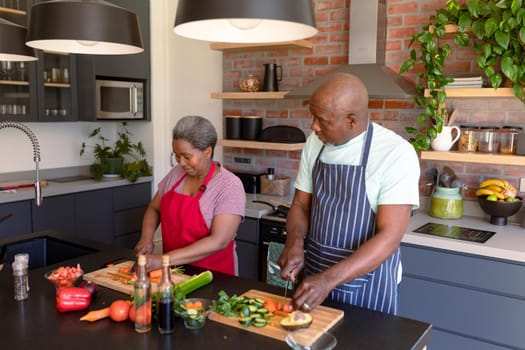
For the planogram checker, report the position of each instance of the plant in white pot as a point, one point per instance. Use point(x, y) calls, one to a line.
point(123, 158)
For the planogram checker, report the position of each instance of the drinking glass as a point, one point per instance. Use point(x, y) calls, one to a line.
point(22, 69)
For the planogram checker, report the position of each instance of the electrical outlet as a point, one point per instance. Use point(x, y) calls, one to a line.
point(242, 160)
point(522, 184)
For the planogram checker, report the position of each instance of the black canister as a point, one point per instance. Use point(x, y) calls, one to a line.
point(233, 127)
point(251, 127)
point(272, 75)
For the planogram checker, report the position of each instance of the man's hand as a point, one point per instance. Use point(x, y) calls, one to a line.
point(311, 292)
point(291, 260)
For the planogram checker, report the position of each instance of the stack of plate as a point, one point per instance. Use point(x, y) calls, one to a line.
point(466, 82)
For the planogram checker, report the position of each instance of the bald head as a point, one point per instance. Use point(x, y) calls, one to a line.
point(344, 93)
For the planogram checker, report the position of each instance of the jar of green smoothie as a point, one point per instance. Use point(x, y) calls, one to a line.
point(446, 203)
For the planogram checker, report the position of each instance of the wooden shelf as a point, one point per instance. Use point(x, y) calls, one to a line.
point(478, 92)
point(261, 145)
point(12, 11)
point(57, 85)
point(263, 95)
point(297, 44)
point(483, 158)
point(14, 82)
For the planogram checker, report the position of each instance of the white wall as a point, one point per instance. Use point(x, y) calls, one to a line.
point(184, 73)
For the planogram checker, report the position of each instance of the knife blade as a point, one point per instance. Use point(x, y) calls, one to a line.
point(286, 289)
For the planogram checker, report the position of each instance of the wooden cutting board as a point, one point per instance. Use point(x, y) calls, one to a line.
point(324, 318)
point(110, 277)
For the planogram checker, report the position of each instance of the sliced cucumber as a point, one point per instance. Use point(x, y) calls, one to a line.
point(262, 311)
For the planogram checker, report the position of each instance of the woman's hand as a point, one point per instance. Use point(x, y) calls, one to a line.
point(144, 246)
point(154, 262)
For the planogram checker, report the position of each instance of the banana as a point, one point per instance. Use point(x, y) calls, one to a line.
point(484, 192)
point(497, 182)
point(494, 188)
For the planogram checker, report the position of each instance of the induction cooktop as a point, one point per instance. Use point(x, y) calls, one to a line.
point(455, 232)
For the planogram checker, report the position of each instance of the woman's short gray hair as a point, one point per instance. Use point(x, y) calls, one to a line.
point(197, 130)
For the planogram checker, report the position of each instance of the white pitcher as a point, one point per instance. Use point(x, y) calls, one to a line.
point(444, 140)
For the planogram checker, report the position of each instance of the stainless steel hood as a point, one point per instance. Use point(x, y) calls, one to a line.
point(366, 55)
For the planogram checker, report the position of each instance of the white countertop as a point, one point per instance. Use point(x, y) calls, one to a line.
point(508, 243)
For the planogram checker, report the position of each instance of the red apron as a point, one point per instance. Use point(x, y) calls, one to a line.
point(182, 224)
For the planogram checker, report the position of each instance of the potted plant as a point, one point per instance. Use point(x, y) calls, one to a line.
point(500, 36)
point(124, 158)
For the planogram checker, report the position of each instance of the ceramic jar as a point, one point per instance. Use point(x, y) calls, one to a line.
point(446, 203)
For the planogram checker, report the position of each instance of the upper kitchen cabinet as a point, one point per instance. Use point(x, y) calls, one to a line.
point(135, 67)
point(17, 79)
point(56, 79)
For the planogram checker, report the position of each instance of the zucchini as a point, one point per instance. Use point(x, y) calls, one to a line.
point(262, 311)
point(193, 283)
point(253, 308)
point(245, 321)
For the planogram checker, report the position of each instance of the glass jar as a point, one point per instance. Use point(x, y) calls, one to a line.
point(488, 139)
point(508, 139)
point(249, 83)
point(468, 141)
point(446, 203)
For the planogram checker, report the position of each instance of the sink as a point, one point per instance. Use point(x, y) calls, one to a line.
point(44, 251)
point(67, 179)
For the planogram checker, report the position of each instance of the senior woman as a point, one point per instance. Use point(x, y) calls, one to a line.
point(199, 204)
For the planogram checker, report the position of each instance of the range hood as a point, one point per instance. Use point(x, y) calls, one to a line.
point(366, 55)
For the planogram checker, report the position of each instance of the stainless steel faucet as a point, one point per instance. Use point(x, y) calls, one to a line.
point(36, 154)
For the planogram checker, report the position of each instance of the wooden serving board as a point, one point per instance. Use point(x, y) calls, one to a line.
point(110, 277)
point(324, 318)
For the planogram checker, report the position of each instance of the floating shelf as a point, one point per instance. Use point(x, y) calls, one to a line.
point(57, 85)
point(14, 82)
point(477, 92)
point(483, 158)
point(263, 95)
point(297, 44)
point(262, 145)
point(12, 11)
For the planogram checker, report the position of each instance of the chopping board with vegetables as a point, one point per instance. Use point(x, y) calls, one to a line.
point(118, 276)
point(324, 318)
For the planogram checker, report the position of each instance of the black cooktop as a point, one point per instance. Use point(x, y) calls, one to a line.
point(455, 232)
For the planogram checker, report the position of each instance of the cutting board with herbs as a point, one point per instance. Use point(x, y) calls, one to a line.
point(324, 318)
point(113, 277)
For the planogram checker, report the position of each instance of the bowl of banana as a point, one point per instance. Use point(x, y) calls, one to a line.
point(498, 199)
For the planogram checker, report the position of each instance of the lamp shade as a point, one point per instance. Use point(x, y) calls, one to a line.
point(12, 43)
point(84, 26)
point(245, 21)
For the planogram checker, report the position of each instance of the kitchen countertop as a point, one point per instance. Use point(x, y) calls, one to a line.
point(58, 188)
point(35, 323)
point(508, 243)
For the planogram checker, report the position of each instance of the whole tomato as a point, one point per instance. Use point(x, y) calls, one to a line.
point(131, 314)
point(119, 310)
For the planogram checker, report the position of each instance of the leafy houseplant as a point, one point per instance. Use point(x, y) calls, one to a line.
point(130, 155)
point(499, 30)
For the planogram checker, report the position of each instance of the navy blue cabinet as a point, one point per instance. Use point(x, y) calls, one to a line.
point(247, 247)
point(472, 302)
point(111, 215)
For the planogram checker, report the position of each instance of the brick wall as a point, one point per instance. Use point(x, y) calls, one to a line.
point(299, 66)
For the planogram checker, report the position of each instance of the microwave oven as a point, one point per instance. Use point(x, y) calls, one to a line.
point(118, 99)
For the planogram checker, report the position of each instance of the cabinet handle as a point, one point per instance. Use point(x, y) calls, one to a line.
point(133, 97)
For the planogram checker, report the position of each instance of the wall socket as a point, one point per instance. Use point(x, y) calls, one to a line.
point(522, 184)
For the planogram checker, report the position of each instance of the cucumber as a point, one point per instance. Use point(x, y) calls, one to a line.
point(253, 308)
point(245, 321)
point(262, 311)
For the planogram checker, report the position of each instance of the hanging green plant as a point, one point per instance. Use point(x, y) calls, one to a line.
point(499, 30)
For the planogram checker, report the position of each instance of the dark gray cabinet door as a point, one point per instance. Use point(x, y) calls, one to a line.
point(94, 215)
point(56, 213)
point(16, 219)
point(247, 247)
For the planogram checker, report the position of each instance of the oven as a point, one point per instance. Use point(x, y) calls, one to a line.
point(272, 229)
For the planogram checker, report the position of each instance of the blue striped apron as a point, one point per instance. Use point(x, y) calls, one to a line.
point(341, 221)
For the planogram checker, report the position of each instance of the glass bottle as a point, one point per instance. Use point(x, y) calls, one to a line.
point(166, 324)
point(20, 281)
point(142, 298)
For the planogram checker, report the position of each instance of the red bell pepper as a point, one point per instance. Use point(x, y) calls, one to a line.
point(72, 299)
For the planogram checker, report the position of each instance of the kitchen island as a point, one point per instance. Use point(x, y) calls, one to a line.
point(35, 323)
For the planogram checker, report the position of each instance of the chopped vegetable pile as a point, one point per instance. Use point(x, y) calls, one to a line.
point(65, 276)
point(250, 311)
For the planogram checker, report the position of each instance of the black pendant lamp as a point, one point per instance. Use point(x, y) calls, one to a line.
point(12, 43)
point(84, 26)
point(245, 21)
